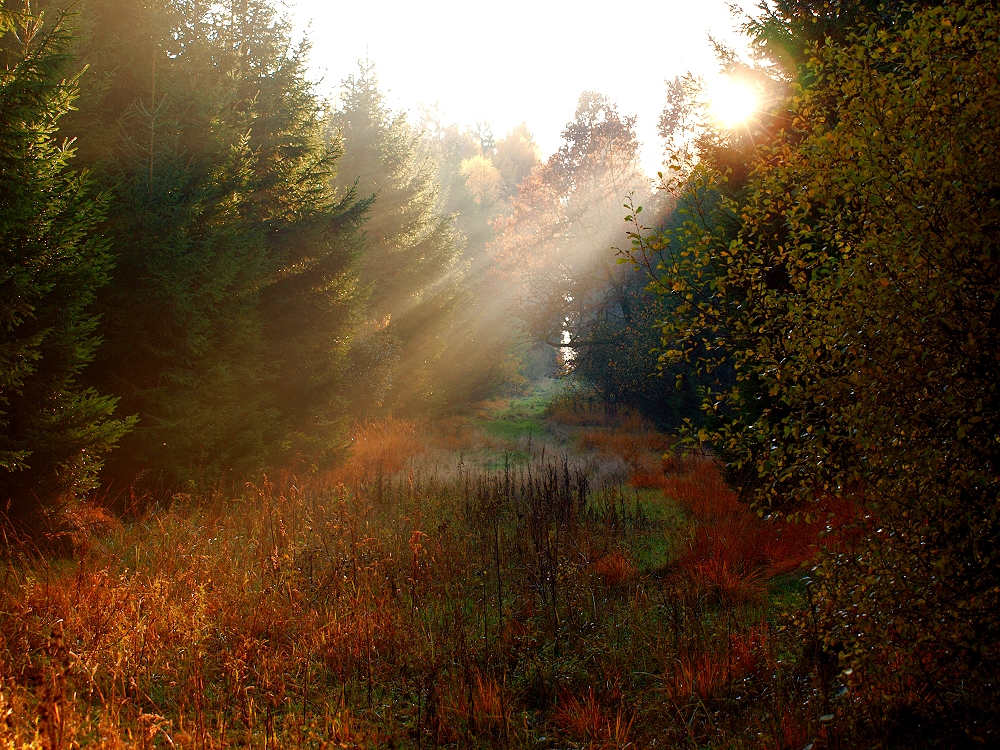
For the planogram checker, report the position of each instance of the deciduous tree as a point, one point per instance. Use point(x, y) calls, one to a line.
point(853, 282)
point(556, 243)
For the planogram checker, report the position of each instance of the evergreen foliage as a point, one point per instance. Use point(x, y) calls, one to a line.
point(54, 432)
point(228, 319)
point(416, 318)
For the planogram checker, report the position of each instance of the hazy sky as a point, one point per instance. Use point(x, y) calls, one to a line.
point(520, 60)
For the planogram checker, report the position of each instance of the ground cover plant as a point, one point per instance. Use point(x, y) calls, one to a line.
point(430, 592)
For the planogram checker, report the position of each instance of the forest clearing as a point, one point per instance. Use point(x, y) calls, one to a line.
point(530, 576)
point(330, 423)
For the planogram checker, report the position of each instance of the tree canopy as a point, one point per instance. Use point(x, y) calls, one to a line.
point(227, 322)
point(556, 242)
point(851, 280)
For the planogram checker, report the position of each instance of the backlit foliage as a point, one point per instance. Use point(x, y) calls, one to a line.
point(852, 282)
point(556, 243)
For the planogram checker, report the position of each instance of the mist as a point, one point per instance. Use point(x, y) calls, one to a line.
point(525, 61)
point(361, 387)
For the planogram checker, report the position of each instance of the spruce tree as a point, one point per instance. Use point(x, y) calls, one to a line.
point(411, 251)
point(54, 433)
point(310, 228)
point(228, 316)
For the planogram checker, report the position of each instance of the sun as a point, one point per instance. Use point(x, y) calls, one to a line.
point(732, 102)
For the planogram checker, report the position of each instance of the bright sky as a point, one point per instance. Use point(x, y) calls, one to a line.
point(522, 60)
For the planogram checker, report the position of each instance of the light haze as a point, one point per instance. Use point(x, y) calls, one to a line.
point(520, 60)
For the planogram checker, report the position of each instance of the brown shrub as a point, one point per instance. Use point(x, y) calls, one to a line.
point(614, 569)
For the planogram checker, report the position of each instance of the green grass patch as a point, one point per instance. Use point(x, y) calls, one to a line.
point(508, 459)
point(512, 429)
point(788, 590)
point(668, 526)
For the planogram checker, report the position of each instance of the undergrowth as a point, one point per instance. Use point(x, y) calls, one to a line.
point(607, 599)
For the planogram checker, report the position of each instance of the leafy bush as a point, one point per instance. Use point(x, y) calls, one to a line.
point(852, 281)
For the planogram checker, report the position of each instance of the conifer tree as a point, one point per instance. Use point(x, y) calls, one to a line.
point(227, 319)
point(409, 267)
point(310, 229)
point(54, 433)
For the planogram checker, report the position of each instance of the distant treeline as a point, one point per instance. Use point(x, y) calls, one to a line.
point(210, 270)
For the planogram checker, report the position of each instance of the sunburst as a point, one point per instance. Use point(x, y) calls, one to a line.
point(732, 102)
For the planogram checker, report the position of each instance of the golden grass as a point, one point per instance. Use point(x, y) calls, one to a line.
point(382, 606)
point(379, 448)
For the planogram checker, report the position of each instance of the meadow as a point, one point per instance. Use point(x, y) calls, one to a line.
point(539, 573)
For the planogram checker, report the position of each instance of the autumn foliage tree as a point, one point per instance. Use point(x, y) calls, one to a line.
point(555, 244)
point(479, 175)
point(852, 281)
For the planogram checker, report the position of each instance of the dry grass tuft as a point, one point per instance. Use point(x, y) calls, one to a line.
point(583, 719)
point(379, 449)
point(614, 569)
point(731, 543)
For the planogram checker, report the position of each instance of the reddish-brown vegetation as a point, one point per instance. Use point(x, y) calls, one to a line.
point(388, 604)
